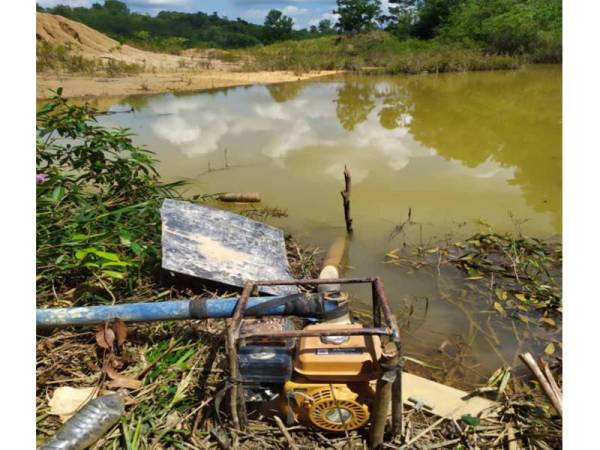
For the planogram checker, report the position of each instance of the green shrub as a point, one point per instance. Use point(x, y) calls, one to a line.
point(98, 198)
point(114, 68)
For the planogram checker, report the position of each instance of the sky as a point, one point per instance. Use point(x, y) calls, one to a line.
point(304, 12)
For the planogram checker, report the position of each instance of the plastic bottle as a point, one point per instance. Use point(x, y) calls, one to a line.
point(88, 425)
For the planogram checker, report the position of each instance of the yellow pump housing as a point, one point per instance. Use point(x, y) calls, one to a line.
point(315, 394)
point(339, 358)
point(332, 407)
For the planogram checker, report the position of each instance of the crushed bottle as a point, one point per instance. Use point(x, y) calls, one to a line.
point(88, 425)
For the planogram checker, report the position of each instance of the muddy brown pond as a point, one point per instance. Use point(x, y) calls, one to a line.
point(463, 151)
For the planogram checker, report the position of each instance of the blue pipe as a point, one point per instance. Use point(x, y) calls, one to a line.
point(171, 310)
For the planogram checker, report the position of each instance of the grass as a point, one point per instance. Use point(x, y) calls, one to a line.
point(377, 49)
point(64, 59)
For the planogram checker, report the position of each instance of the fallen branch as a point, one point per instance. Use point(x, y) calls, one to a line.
point(544, 383)
point(423, 433)
point(551, 380)
point(288, 437)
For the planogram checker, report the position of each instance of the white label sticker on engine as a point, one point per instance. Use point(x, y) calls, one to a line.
point(338, 351)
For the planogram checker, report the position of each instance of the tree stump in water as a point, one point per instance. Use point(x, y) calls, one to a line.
point(346, 199)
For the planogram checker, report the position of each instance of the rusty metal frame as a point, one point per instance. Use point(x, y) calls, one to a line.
point(385, 324)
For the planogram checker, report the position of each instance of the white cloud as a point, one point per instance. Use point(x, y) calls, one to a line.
point(328, 15)
point(273, 111)
point(176, 130)
point(261, 13)
point(294, 11)
point(174, 105)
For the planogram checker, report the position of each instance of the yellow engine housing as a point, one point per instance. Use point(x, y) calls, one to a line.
point(356, 359)
point(338, 410)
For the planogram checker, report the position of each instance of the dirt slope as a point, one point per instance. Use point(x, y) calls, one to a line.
point(192, 71)
point(92, 44)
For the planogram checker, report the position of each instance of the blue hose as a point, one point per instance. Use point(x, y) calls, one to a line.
point(165, 310)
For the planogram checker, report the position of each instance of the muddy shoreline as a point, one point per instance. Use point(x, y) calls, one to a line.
point(154, 83)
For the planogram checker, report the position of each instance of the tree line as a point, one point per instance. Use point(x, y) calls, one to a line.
point(498, 26)
point(171, 30)
point(531, 27)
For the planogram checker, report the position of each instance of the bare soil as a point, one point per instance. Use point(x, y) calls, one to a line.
point(193, 70)
point(150, 83)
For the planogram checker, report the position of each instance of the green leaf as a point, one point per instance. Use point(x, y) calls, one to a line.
point(136, 248)
point(125, 237)
point(80, 254)
point(46, 108)
point(105, 255)
point(79, 237)
point(113, 274)
point(59, 91)
point(57, 194)
point(115, 264)
point(470, 420)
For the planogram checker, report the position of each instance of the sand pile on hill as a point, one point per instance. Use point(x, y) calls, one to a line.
point(91, 44)
point(193, 70)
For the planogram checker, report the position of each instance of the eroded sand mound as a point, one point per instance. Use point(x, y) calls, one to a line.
point(193, 70)
point(89, 43)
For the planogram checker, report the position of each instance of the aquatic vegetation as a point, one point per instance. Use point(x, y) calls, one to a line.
point(517, 274)
point(508, 286)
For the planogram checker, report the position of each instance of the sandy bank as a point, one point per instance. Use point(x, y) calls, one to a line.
point(148, 83)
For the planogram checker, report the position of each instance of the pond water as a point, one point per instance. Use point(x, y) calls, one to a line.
point(460, 150)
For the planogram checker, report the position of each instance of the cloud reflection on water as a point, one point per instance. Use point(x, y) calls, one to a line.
point(331, 116)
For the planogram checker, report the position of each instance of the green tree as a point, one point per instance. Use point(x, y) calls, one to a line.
point(509, 26)
point(402, 14)
point(357, 15)
point(325, 26)
point(143, 36)
point(278, 27)
point(116, 7)
point(432, 15)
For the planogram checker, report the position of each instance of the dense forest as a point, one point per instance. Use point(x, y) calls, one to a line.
point(516, 27)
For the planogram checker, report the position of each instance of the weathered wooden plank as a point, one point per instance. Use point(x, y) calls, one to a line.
point(222, 246)
point(445, 401)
